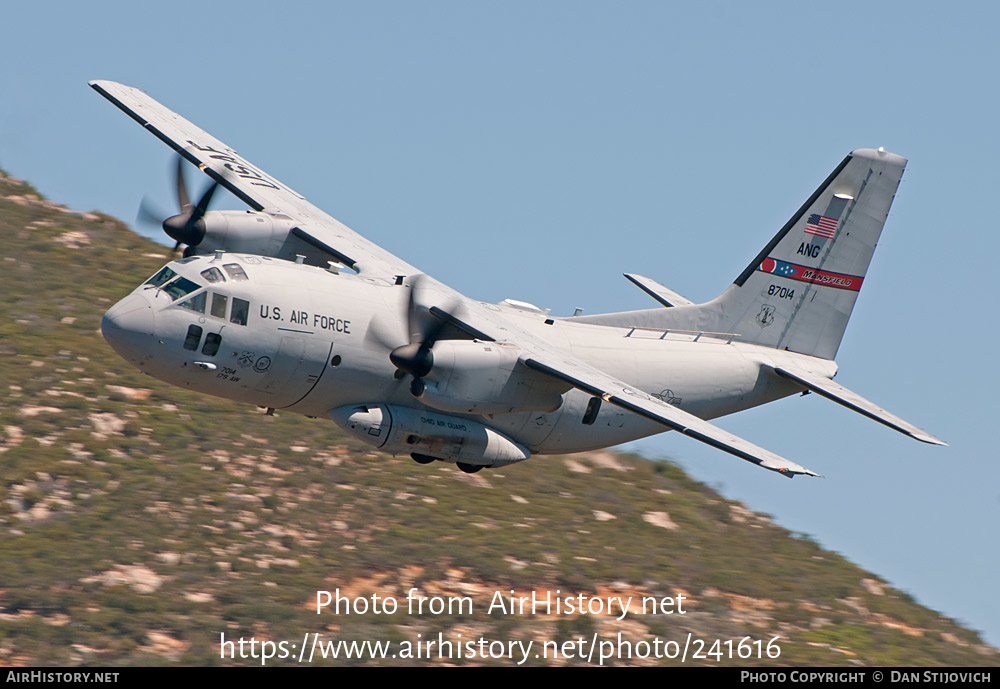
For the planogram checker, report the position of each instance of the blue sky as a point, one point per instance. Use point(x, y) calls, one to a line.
point(538, 150)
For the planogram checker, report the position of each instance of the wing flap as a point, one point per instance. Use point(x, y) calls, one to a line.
point(852, 400)
point(601, 385)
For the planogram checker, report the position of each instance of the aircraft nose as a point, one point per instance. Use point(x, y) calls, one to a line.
point(128, 328)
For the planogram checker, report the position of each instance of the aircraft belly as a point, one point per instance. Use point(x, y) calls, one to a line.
point(530, 429)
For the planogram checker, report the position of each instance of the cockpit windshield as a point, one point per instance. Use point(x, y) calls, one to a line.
point(179, 287)
point(164, 275)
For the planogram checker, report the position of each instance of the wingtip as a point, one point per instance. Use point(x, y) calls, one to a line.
point(791, 471)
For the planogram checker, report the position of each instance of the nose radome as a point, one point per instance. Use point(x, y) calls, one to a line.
point(128, 328)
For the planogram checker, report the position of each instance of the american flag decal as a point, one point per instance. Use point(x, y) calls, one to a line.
point(821, 226)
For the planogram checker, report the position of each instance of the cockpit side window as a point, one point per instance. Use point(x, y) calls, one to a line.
point(213, 275)
point(235, 271)
point(165, 274)
point(241, 309)
point(179, 287)
point(196, 303)
point(219, 304)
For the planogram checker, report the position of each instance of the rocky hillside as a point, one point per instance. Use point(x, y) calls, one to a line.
point(139, 522)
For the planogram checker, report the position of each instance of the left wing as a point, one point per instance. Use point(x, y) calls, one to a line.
point(253, 186)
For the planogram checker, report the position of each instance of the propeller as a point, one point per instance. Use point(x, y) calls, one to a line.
point(188, 226)
point(425, 329)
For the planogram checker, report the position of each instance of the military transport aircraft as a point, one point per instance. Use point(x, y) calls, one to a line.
point(283, 307)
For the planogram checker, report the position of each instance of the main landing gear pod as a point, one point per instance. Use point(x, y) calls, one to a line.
point(428, 435)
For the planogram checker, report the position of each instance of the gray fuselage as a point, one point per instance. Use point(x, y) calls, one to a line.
point(282, 335)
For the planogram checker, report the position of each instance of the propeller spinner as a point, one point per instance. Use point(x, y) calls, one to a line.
point(188, 226)
point(417, 357)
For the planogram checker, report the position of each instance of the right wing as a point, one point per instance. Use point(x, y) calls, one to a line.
point(547, 360)
point(852, 400)
point(622, 395)
point(251, 185)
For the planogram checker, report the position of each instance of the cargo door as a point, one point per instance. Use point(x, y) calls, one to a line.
point(294, 371)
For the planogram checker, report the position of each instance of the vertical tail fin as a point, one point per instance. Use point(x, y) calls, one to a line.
point(798, 293)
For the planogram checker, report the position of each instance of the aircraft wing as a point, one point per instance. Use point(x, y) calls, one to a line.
point(251, 185)
point(542, 357)
point(852, 400)
point(594, 382)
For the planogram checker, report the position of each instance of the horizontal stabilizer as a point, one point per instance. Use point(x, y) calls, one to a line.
point(841, 395)
point(662, 294)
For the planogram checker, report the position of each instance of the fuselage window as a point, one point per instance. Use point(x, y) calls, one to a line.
point(179, 287)
point(213, 275)
point(193, 337)
point(161, 277)
point(219, 304)
point(196, 303)
point(235, 271)
point(188, 259)
point(212, 342)
point(241, 309)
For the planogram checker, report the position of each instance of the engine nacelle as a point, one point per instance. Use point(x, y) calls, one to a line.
point(402, 430)
point(245, 232)
point(475, 377)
